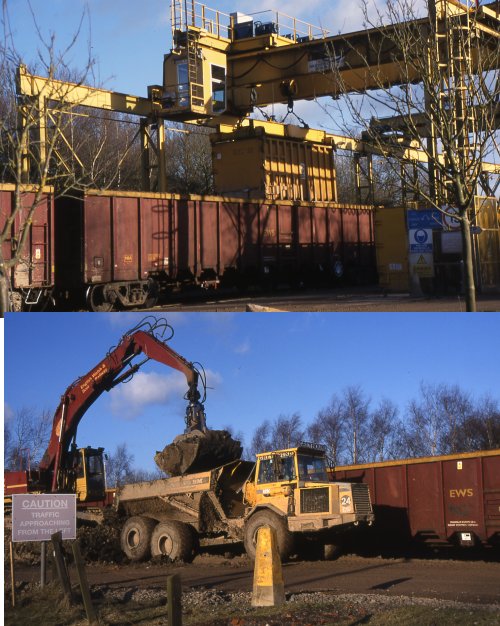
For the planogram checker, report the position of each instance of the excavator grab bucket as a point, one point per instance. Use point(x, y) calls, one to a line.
point(198, 452)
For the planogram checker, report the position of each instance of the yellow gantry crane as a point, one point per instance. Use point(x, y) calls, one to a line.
point(221, 67)
point(224, 65)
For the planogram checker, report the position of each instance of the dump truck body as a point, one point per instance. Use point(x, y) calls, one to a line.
point(191, 499)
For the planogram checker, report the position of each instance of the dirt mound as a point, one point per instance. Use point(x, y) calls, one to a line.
point(101, 542)
point(198, 452)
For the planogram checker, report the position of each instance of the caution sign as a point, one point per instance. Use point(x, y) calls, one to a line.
point(35, 517)
point(422, 264)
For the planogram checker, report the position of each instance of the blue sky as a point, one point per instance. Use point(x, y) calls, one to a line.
point(127, 39)
point(260, 366)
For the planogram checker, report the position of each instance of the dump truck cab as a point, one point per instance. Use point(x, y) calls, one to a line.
point(292, 486)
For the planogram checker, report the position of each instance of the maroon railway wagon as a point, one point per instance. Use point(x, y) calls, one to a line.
point(32, 278)
point(453, 498)
point(105, 249)
point(124, 248)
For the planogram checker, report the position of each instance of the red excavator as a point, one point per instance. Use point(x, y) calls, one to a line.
point(65, 468)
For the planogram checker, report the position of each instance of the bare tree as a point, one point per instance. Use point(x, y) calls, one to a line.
point(103, 149)
point(356, 420)
point(261, 440)
point(137, 475)
point(386, 181)
point(328, 429)
point(189, 162)
point(119, 468)
point(423, 431)
point(435, 421)
point(436, 82)
point(26, 437)
point(39, 140)
point(383, 430)
point(481, 429)
point(287, 431)
point(284, 432)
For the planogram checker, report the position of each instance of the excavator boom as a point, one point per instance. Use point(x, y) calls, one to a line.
point(81, 394)
point(65, 468)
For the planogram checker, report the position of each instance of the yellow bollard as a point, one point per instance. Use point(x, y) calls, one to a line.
point(268, 586)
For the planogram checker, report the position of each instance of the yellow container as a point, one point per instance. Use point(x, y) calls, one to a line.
point(487, 242)
point(255, 164)
point(391, 246)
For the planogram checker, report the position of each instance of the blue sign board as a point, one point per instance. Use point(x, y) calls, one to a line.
point(420, 240)
point(427, 218)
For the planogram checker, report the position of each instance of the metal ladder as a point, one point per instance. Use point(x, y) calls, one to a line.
point(195, 86)
point(454, 62)
point(363, 175)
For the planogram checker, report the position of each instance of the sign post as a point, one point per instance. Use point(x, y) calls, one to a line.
point(36, 517)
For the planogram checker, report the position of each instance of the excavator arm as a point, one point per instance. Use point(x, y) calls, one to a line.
point(80, 395)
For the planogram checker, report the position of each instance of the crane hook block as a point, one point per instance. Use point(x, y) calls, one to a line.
point(289, 88)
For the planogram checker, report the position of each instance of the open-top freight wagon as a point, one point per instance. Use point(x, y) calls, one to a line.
point(31, 278)
point(122, 249)
point(453, 498)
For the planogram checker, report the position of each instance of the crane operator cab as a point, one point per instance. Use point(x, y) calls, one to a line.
point(84, 473)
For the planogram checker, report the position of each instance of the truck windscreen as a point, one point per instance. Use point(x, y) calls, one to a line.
point(312, 468)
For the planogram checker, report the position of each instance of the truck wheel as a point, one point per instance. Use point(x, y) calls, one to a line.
point(135, 538)
point(172, 539)
point(283, 535)
point(332, 551)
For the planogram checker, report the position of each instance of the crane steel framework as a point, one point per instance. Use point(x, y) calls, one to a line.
point(223, 66)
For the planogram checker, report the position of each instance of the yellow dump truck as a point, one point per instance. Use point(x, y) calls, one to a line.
point(286, 489)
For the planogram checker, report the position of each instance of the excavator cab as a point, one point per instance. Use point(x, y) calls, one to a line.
point(86, 472)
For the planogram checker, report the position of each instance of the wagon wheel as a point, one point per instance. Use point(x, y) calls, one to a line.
point(152, 296)
point(97, 301)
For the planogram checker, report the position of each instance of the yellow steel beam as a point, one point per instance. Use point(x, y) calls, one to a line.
point(358, 69)
point(74, 94)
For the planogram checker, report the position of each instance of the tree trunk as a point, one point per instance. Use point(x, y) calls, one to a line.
point(4, 294)
point(469, 286)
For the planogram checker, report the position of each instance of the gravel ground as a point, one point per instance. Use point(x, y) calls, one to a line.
point(211, 600)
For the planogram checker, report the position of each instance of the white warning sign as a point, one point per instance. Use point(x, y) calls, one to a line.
point(35, 517)
point(422, 264)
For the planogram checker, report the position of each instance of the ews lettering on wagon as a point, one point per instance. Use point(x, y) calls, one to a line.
point(462, 493)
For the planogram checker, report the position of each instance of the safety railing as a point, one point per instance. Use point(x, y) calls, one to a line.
point(284, 25)
point(186, 13)
point(191, 13)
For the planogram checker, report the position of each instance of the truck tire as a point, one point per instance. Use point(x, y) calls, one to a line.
point(283, 535)
point(332, 551)
point(135, 539)
point(174, 540)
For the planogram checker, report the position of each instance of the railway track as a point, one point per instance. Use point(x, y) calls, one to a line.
point(326, 301)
